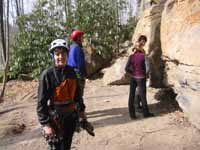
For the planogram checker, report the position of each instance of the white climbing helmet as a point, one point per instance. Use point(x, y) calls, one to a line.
point(58, 43)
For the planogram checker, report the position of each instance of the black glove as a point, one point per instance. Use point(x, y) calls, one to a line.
point(88, 127)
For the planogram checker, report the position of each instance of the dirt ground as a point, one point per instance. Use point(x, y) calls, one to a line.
point(108, 112)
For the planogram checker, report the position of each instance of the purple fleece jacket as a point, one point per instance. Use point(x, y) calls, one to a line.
point(137, 63)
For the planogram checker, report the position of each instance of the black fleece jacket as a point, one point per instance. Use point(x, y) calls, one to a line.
point(49, 80)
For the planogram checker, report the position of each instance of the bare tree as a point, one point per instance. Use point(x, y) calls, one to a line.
point(5, 33)
point(19, 7)
point(2, 27)
point(22, 6)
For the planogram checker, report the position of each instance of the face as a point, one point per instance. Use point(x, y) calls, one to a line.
point(141, 43)
point(60, 57)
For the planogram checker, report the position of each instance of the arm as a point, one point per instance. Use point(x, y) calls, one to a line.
point(43, 97)
point(80, 61)
point(84, 123)
point(78, 97)
point(42, 107)
point(147, 65)
point(128, 65)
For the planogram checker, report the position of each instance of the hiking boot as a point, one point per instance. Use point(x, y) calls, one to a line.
point(147, 115)
point(133, 116)
point(139, 109)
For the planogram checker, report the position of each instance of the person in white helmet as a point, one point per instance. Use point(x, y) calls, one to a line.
point(59, 97)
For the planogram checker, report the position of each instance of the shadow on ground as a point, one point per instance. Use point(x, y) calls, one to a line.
point(16, 138)
point(10, 109)
point(114, 116)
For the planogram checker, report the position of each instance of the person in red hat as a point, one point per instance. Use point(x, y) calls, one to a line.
point(76, 57)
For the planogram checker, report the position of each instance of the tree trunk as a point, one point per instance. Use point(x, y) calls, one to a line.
point(22, 8)
point(65, 5)
point(17, 8)
point(2, 28)
point(6, 51)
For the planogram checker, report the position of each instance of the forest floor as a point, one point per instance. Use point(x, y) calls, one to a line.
point(107, 110)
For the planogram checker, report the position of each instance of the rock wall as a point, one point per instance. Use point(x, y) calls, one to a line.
point(180, 40)
point(142, 5)
point(116, 75)
point(173, 32)
point(94, 62)
point(180, 30)
point(149, 25)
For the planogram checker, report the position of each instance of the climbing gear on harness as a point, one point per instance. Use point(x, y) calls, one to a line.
point(56, 124)
point(84, 124)
point(52, 141)
point(88, 127)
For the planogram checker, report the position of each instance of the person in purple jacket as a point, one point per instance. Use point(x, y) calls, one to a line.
point(136, 67)
point(76, 58)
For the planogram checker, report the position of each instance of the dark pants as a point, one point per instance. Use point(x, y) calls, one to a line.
point(141, 83)
point(138, 101)
point(68, 128)
point(82, 84)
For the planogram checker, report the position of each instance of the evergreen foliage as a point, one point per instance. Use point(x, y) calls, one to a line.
point(50, 19)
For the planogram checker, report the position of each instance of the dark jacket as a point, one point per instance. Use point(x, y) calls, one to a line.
point(49, 82)
point(76, 59)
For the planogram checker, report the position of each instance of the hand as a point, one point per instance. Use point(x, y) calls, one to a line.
point(147, 75)
point(82, 115)
point(48, 131)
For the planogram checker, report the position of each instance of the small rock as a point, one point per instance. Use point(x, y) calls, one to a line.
point(19, 128)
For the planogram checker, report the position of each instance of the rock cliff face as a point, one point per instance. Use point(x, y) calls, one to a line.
point(149, 25)
point(180, 40)
point(173, 31)
point(115, 75)
point(143, 5)
point(94, 62)
point(180, 31)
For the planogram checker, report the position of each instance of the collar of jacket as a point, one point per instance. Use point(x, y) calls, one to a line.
point(78, 43)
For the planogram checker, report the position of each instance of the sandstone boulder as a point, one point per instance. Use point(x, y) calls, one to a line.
point(180, 40)
point(180, 30)
point(115, 75)
point(94, 61)
point(149, 25)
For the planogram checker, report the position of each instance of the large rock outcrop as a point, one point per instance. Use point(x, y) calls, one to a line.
point(149, 25)
point(115, 75)
point(173, 31)
point(180, 31)
point(94, 61)
point(180, 40)
point(142, 5)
